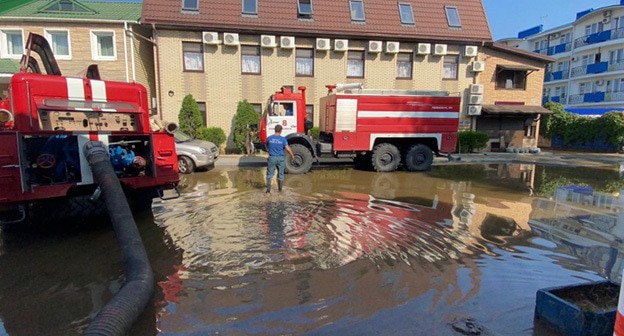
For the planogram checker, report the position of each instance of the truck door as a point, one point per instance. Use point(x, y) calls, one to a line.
point(283, 113)
point(10, 169)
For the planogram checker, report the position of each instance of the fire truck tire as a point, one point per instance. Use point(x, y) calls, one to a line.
point(185, 165)
point(386, 157)
point(302, 163)
point(418, 158)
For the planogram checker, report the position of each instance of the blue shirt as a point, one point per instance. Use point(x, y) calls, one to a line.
point(276, 145)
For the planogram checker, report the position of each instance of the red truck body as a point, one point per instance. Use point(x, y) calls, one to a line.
point(383, 128)
point(45, 121)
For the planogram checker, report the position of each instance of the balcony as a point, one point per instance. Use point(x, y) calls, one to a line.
point(596, 97)
point(557, 75)
point(555, 99)
point(607, 35)
point(558, 49)
point(597, 68)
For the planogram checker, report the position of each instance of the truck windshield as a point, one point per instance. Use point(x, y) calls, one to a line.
point(180, 136)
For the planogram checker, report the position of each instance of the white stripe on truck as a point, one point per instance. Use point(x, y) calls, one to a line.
point(417, 115)
point(98, 88)
point(75, 89)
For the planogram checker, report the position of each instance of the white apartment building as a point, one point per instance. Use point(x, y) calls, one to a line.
point(588, 74)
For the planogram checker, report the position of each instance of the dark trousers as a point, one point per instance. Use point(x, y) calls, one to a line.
point(275, 161)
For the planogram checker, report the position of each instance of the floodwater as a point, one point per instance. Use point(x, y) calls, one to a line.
point(457, 250)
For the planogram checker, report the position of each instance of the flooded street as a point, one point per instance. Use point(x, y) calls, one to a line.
point(456, 250)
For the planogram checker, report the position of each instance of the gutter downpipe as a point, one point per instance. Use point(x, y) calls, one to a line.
point(132, 57)
point(125, 40)
point(157, 66)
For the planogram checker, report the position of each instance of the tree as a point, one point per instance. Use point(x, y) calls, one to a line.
point(246, 117)
point(548, 121)
point(190, 118)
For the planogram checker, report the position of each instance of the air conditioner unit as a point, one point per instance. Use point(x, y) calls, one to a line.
point(287, 42)
point(341, 45)
point(606, 20)
point(440, 49)
point(392, 47)
point(230, 39)
point(573, 59)
point(554, 35)
point(606, 13)
point(267, 41)
point(474, 110)
point(471, 51)
point(600, 82)
point(374, 46)
point(478, 66)
point(475, 99)
point(424, 48)
point(210, 37)
point(322, 44)
point(476, 88)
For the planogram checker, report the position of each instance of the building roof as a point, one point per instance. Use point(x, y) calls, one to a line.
point(330, 18)
point(87, 10)
point(10, 4)
point(519, 52)
point(515, 109)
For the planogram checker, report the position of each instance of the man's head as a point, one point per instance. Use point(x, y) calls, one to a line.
point(278, 129)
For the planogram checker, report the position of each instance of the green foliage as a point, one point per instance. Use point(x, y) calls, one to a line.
point(575, 129)
point(245, 120)
point(215, 135)
point(315, 132)
point(471, 140)
point(190, 118)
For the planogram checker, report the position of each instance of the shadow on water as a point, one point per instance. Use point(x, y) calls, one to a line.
point(457, 250)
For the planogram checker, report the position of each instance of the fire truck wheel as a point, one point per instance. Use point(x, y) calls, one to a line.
point(418, 158)
point(386, 157)
point(185, 165)
point(302, 163)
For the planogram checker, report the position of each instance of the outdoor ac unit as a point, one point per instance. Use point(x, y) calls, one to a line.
point(573, 59)
point(471, 51)
point(474, 110)
point(476, 88)
point(554, 36)
point(322, 44)
point(606, 13)
point(440, 49)
point(478, 66)
point(606, 20)
point(392, 47)
point(374, 46)
point(341, 45)
point(210, 37)
point(287, 42)
point(600, 82)
point(230, 39)
point(267, 41)
point(424, 48)
point(475, 99)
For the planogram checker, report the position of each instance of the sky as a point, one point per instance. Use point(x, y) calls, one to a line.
point(508, 17)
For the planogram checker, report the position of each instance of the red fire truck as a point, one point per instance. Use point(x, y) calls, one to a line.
point(47, 118)
point(377, 128)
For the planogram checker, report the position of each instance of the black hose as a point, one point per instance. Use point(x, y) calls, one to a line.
point(121, 312)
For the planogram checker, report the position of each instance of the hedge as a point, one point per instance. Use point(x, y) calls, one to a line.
point(468, 141)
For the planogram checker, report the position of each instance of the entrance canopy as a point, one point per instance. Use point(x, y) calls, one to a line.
point(514, 109)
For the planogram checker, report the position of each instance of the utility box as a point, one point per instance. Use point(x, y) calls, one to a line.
point(579, 310)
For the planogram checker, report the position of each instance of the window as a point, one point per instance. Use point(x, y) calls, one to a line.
point(202, 111)
point(449, 69)
point(510, 79)
point(616, 56)
point(59, 41)
point(618, 85)
point(404, 65)
point(12, 44)
point(193, 56)
point(407, 15)
point(304, 9)
point(258, 109)
point(190, 5)
point(304, 62)
point(452, 16)
point(355, 64)
point(250, 60)
point(250, 7)
point(357, 10)
point(536, 46)
point(310, 113)
point(582, 88)
point(103, 45)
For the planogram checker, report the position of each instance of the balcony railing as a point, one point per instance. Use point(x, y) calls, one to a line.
point(555, 99)
point(557, 75)
point(557, 49)
point(615, 96)
point(599, 37)
point(597, 68)
point(596, 97)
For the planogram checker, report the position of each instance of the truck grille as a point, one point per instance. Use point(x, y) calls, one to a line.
point(213, 149)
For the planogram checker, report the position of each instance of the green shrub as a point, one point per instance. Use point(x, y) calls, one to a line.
point(315, 132)
point(189, 118)
point(245, 120)
point(471, 140)
point(215, 135)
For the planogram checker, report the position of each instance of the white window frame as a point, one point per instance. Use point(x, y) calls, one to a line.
point(189, 9)
point(4, 47)
point(48, 36)
point(94, 45)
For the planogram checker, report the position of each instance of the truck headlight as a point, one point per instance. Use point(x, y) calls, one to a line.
point(5, 116)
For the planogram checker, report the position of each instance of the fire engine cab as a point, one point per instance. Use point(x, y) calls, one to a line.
point(381, 129)
point(47, 118)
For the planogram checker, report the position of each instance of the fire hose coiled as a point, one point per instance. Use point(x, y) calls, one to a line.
point(118, 315)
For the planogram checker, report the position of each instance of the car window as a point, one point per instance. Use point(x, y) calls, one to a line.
point(180, 136)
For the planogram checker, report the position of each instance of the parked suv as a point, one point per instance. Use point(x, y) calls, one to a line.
point(193, 154)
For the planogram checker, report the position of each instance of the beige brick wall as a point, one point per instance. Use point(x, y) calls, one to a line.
point(222, 85)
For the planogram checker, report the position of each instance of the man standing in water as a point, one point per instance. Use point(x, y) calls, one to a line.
point(276, 144)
